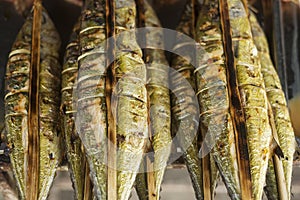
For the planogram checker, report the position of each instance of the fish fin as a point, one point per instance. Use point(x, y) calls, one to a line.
point(276, 148)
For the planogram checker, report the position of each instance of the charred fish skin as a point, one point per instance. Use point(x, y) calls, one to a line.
point(91, 104)
point(277, 100)
point(184, 110)
point(158, 91)
point(215, 119)
point(131, 98)
point(74, 150)
point(253, 95)
point(16, 104)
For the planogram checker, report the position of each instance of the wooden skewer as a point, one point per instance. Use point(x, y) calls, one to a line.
point(151, 181)
point(207, 193)
point(32, 178)
point(88, 193)
point(110, 82)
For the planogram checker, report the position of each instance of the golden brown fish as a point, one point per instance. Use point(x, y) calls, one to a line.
point(17, 105)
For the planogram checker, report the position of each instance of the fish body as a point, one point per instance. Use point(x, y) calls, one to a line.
point(74, 148)
point(253, 95)
point(130, 98)
point(277, 101)
point(159, 97)
point(184, 105)
point(91, 121)
point(17, 103)
point(215, 118)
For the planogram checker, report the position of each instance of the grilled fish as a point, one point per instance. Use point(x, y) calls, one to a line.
point(213, 97)
point(184, 105)
point(91, 121)
point(253, 95)
point(158, 91)
point(277, 100)
point(74, 148)
point(130, 98)
point(17, 103)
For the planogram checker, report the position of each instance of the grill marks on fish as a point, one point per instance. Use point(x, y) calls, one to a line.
point(131, 98)
point(215, 119)
point(74, 148)
point(252, 94)
point(17, 103)
point(91, 104)
point(184, 108)
point(158, 91)
point(277, 101)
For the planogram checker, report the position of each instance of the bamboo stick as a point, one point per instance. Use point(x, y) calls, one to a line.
point(110, 83)
point(151, 181)
point(207, 193)
point(32, 178)
point(88, 194)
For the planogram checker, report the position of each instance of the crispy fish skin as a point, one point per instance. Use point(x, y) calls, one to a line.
point(74, 151)
point(131, 99)
point(253, 95)
point(158, 91)
point(17, 100)
point(184, 108)
point(213, 97)
point(277, 100)
point(91, 104)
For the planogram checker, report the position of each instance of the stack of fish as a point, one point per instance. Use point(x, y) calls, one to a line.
point(112, 89)
point(261, 97)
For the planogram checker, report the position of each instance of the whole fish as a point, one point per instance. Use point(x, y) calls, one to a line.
point(73, 145)
point(213, 97)
point(277, 100)
point(91, 121)
point(130, 98)
point(184, 105)
point(253, 95)
point(159, 97)
point(17, 103)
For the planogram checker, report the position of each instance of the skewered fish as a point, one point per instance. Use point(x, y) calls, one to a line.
point(277, 100)
point(91, 122)
point(74, 148)
point(253, 95)
point(131, 99)
point(212, 93)
point(184, 104)
point(17, 105)
point(158, 91)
